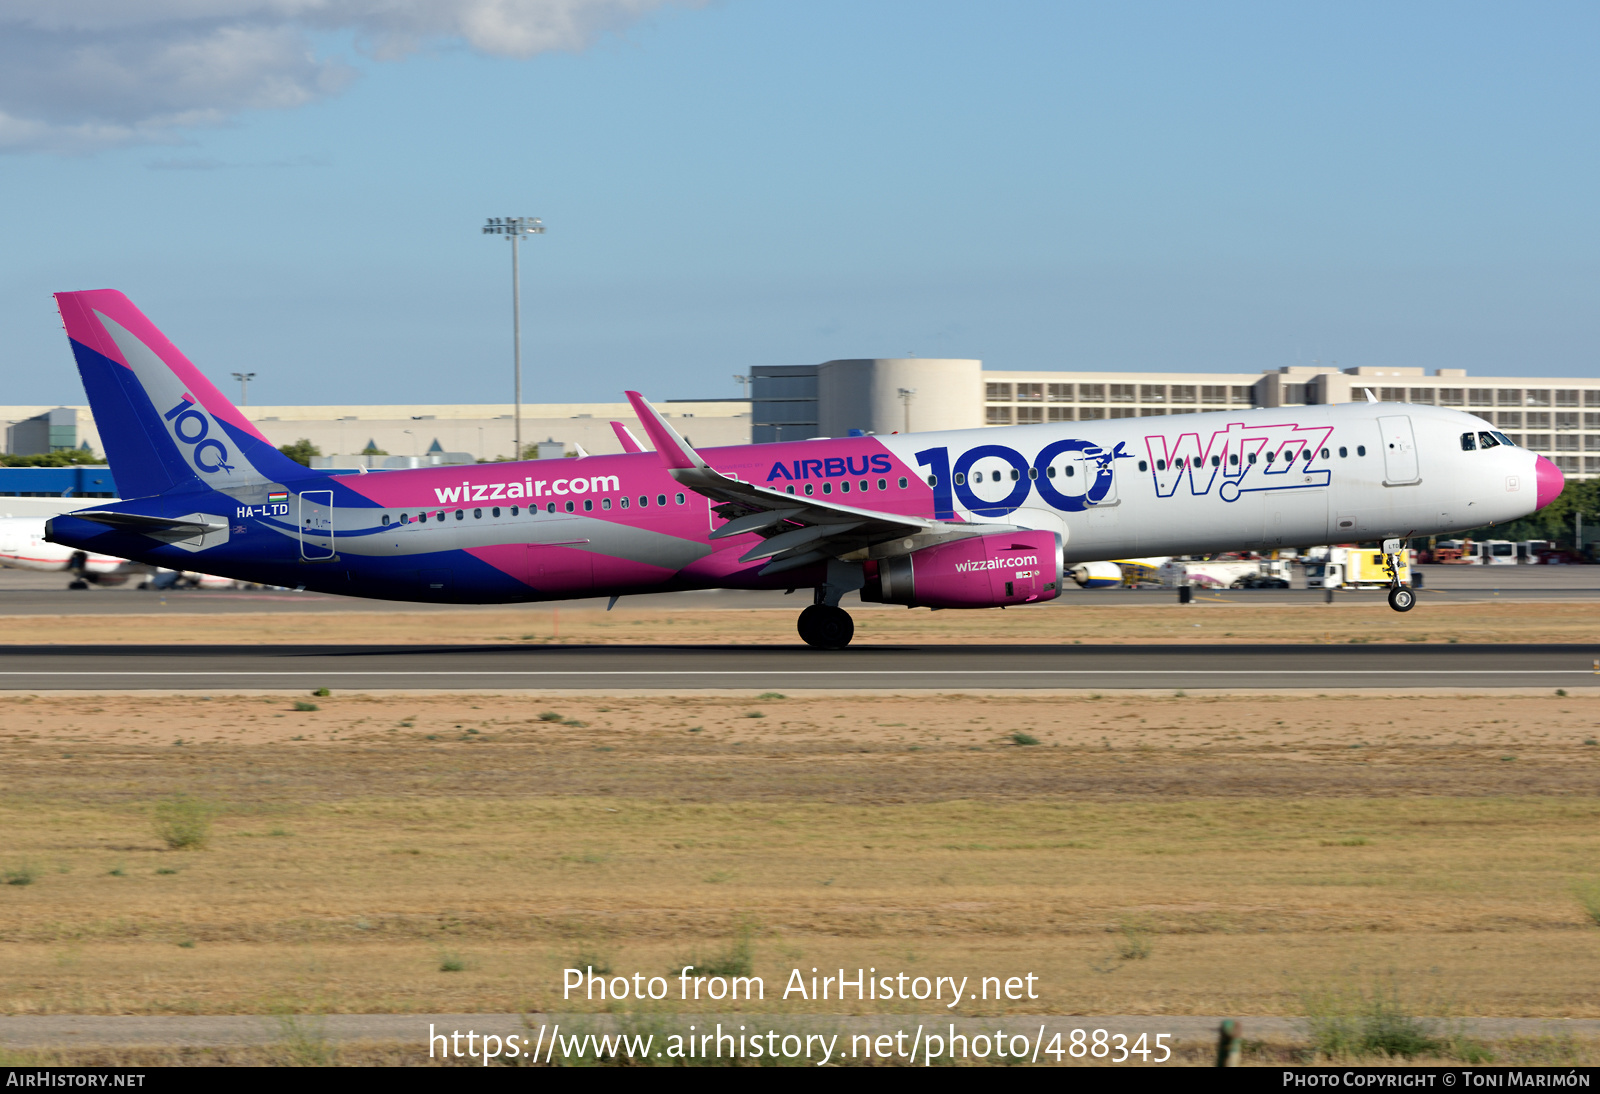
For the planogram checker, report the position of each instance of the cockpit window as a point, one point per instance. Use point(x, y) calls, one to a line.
point(1469, 442)
point(1503, 439)
point(1486, 440)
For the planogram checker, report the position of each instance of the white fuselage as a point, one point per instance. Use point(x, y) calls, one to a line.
point(1195, 483)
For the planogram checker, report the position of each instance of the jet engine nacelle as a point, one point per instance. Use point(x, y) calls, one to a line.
point(980, 572)
point(1097, 575)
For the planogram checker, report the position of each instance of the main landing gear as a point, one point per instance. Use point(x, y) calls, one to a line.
point(1401, 598)
point(825, 625)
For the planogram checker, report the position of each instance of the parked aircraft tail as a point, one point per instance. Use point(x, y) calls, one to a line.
point(164, 426)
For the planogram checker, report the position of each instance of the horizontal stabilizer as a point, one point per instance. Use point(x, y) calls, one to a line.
point(135, 522)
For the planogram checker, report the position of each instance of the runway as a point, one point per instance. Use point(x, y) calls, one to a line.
point(25, 593)
point(937, 668)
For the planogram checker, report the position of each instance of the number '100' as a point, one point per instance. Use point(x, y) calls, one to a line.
point(952, 484)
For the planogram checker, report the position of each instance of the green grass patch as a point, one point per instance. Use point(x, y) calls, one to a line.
point(182, 823)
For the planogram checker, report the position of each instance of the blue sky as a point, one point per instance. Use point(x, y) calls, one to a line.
point(1171, 186)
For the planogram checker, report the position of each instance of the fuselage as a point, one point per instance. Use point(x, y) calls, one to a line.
point(621, 524)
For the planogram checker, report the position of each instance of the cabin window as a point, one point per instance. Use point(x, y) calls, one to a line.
point(644, 501)
point(1161, 465)
point(550, 507)
point(844, 487)
point(569, 506)
point(1324, 453)
point(495, 512)
point(1014, 475)
point(933, 480)
point(788, 489)
point(605, 503)
point(622, 502)
point(1050, 472)
point(1343, 452)
point(1142, 467)
point(1216, 461)
point(679, 498)
point(1469, 442)
point(1251, 458)
point(827, 488)
point(1071, 472)
point(1033, 472)
point(1361, 450)
point(960, 479)
point(661, 499)
point(386, 520)
point(1269, 457)
point(588, 505)
point(477, 514)
point(1503, 439)
point(1233, 459)
point(515, 509)
point(461, 514)
point(864, 484)
point(809, 490)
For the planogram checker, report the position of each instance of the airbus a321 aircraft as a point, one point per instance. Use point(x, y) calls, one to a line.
point(979, 518)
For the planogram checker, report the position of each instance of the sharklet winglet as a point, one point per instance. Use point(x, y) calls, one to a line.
point(675, 451)
point(625, 437)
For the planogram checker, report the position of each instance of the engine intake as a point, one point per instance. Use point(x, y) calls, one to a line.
point(989, 571)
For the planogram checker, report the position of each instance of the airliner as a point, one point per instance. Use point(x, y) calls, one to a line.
point(23, 547)
point(979, 518)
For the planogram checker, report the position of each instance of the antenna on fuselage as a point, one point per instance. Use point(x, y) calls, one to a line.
point(1371, 398)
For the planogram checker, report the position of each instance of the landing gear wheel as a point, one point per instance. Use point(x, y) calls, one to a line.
point(825, 628)
point(1402, 599)
point(79, 583)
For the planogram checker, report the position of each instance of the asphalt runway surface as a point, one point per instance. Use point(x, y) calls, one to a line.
point(908, 667)
point(24, 592)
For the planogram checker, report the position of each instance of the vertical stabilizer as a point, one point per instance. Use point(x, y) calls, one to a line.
point(164, 426)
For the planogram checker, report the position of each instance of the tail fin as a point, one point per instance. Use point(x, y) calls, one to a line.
point(163, 425)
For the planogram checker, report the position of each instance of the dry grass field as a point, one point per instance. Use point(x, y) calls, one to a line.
point(1149, 854)
point(1210, 620)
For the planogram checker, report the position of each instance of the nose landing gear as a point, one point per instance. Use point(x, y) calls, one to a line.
point(1401, 598)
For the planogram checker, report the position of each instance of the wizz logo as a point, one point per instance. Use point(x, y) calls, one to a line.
point(191, 427)
point(1242, 458)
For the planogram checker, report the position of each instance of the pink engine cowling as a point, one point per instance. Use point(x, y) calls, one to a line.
point(981, 572)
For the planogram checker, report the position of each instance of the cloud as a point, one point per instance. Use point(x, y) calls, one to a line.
point(80, 75)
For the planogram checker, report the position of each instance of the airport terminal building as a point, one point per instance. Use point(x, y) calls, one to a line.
point(1557, 417)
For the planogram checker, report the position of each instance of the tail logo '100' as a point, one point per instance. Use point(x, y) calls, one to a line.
point(192, 427)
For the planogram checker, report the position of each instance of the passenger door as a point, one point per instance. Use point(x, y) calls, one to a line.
point(316, 524)
point(1399, 451)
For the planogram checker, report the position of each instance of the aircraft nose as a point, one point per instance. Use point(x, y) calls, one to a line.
point(1549, 481)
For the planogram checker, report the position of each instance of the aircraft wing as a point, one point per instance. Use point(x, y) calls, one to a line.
point(796, 530)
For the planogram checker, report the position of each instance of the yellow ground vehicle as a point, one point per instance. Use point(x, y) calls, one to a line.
point(1354, 568)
